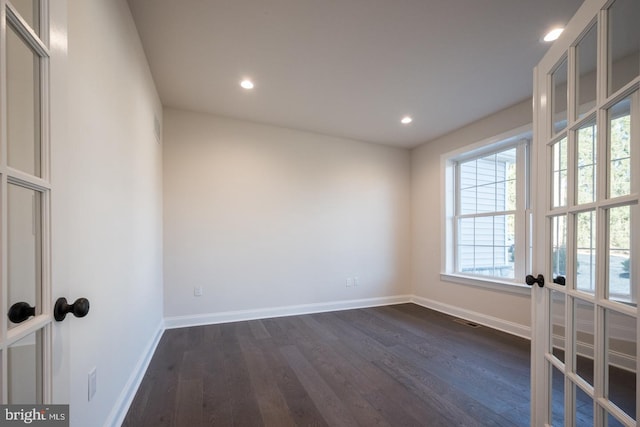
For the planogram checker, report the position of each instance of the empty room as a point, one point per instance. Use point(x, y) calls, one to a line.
point(319, 213)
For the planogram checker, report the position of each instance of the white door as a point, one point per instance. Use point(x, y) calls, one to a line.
point(587, 242)
point(29, 333)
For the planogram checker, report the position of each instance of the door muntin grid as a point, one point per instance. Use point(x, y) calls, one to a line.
point(591, 213)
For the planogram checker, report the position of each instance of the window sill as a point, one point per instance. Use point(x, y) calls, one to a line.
point(494, 284)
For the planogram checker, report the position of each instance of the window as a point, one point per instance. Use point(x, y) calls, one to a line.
point(486, 212)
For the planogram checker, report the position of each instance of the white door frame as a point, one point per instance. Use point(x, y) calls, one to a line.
point(58, 135)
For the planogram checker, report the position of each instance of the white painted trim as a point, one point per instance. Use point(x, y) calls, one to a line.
point(121, 407)
point(483, 319)
point(293, 310)
point(495, 284)
point(519, 138)
point(489, 145)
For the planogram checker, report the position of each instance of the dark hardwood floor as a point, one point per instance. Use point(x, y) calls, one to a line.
point(400, 365)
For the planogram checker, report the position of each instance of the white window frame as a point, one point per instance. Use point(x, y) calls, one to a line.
point(521, 139)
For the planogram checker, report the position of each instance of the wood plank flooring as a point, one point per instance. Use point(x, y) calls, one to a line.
point(400, 365)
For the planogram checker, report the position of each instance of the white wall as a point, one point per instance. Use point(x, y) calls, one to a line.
point(426, 184)
point(107, 204)
point(265, 217)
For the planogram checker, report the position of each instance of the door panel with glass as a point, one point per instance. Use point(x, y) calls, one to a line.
point(25, 194)
point(587, 140)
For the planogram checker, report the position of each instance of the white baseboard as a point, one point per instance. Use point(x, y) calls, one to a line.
point(483, 319)
point(293, 310)
point(121, 407)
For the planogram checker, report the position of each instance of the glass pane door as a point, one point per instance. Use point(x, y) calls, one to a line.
point(25, 192)
point(585, 332)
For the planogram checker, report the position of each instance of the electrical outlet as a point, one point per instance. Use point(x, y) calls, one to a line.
point(197, 291)
point(349, 282)
point(92, 383)
point(356, 281)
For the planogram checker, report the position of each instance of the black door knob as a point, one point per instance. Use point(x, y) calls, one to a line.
point(560, 280)
point(531, 280)
point(20, 311)
point(79, 308)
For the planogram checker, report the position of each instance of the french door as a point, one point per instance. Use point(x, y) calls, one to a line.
point(587, 242)
point(26, 328)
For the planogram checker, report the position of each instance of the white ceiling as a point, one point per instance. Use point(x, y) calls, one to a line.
point(348, 68)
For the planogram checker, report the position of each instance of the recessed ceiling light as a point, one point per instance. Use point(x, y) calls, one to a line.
point(406, 120)
point(246, 84)
point(553, 34)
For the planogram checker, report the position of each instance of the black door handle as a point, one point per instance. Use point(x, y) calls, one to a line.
point(21, 311)
point(79, 308)
point(531, 280)
point(560, 280)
